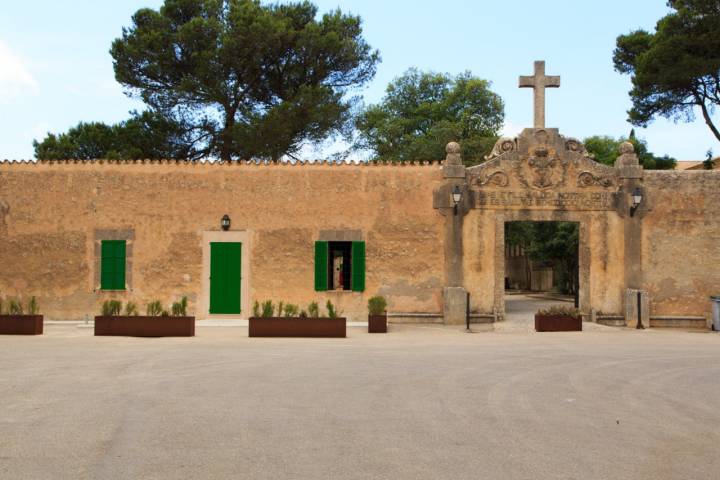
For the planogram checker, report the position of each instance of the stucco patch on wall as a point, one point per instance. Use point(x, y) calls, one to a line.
point(50, 267)
point(681, 246)
point(403, 292)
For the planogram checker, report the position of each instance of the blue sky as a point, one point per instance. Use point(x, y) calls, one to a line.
point(55, 69)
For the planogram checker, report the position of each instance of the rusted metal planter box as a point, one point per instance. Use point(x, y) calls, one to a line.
point(557, 323)
point(298, 327)
point(377, 323)
point(21, 324)
point(145, 326)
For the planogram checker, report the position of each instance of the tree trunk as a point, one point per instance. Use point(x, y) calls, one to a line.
point(226, 149)
point(708, 120)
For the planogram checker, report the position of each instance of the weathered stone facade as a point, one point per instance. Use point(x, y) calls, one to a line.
point(426, 249)
point(543, 176)
point(55, 212)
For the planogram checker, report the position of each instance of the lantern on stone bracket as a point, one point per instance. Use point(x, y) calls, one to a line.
point(637, 198)
point(225, 222)
point(456, 197)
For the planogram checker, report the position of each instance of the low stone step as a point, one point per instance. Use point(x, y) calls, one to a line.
point(690, 322)
point(611, 321)
point(410, 318)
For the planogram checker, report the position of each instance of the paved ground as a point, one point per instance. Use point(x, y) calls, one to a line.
point(420, 403)
point(521, 309)
point(520, 312)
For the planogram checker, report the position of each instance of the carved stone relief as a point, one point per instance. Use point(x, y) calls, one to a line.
point(588, 179)
point(498, 178)
point(541, 169)
point(502, 146)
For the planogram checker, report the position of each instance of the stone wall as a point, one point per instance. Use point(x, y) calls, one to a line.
point(51, 213)
point(681, 241)
point(54, 214)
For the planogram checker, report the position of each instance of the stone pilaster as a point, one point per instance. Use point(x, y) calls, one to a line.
point(630, 173)
point(454, 294)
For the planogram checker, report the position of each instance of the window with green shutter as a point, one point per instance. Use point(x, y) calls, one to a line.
point(321, 266)
point(112, 265)
point(358, 266)
point(339, 266)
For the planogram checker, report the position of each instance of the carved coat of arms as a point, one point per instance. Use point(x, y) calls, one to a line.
point(542, 170)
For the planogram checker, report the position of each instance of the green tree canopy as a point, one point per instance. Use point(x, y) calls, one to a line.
point(676, 68)
point(144, 135)
point(603, 148)
point(606, 150)
point(245, 79)
point(422, 111)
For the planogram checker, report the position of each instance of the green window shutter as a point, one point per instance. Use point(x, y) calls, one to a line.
point(112, 265)
point(120, 252)
point(321, 266)
point(217, 277)
point(233, 254)
point(358, 266)
point(107, 265)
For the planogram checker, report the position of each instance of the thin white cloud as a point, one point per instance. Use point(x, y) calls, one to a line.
point(38, 132)
point(15, 79)
point(511, 130)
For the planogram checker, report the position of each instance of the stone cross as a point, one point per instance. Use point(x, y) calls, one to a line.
point(539, 82)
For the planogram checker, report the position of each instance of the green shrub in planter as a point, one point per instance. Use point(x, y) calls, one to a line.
point(33, 308)
point(111, 308)
point(268, 309)
point(154, 309)
point(291, 310)
point(179, 309)
point(256, 309)
point(559, 310)
point(377, 305)
point(131, 309)
point(314, 310)
point(15, 307)
point(332, 313)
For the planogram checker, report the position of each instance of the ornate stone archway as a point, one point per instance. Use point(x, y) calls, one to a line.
point(539, 176)
point(543, 176)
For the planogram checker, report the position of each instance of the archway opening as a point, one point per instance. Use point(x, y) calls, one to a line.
point(541, 267)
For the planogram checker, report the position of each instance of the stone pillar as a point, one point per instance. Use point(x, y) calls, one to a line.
point(631, 177)
point(454, 294)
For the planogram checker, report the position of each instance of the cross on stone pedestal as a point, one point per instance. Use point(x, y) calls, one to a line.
point(539, 82)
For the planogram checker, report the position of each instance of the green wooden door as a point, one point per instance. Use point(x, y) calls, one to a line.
point(225, 259)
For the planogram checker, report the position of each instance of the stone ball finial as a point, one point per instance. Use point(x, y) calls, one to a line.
point(452, 148)
point(627, 148)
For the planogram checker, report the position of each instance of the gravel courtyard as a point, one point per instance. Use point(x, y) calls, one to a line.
point(423, 402)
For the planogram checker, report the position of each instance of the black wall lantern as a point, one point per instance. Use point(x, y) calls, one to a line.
point(456, 197)
point(225, 222)
point(637, 198)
